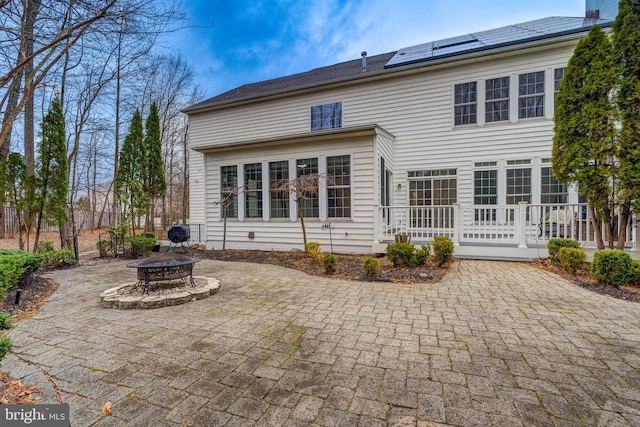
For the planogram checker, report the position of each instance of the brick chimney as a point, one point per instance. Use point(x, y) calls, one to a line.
point(602, 9)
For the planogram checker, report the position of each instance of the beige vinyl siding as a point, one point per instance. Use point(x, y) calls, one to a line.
point(416, 109)
point(353, 234)
point(197, 193)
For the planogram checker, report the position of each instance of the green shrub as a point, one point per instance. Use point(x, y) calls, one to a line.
point(103, 247)
point(442, 249)
point(406, 254)
point(554, 245)
point(634, 272)
point(313, 249)
point(44, 247)
point(60, 257)
point(149, 235)
point(5, 347)
point(14, 264)
point(611, 267)
point(330, 263)
point(371, 267)
point(4, 320)
point(571, 259)
point(140, 244)
point(420, 256)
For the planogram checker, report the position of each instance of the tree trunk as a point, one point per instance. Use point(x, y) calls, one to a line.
point(5, 145)
point(622, 235)
point(304, 230)
point(597, 227)
point(224, 228)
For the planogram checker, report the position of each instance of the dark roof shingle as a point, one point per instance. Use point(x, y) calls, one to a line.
point(315, 77)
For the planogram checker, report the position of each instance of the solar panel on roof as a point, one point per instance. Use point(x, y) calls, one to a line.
point(512, 34)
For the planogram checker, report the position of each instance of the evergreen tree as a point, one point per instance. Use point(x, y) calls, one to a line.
point(155, 182)
point(626, 47)
point(13, 186)
point(584, 144)
point(52, 185)
point(132, 168)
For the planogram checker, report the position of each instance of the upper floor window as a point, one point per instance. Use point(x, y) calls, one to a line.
point(229, 192)
point(497, 99)
point(531, 95)
point(327, 116)
point(339, 188)
point(558, 75)
point(253, 190)
point(278, 173)
point(465, 103)
point(310, 206)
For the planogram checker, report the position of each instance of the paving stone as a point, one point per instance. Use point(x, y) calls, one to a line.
point(494, 343)
point(307, 409)
point(248, 408)
point(334, 417)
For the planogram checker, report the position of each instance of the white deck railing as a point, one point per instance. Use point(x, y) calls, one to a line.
point(523, 224)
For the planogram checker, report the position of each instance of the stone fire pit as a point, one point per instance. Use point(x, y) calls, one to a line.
point(163, 279)
point(163, 267)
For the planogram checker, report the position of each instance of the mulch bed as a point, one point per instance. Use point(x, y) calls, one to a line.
point(350, 267)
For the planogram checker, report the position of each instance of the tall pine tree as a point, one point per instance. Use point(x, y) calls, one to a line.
point(584, 144)
point(52, 171)
point(132, 166)
point(626, 47)
point(155, 184)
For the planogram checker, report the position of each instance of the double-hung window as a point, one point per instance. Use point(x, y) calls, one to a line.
point(310, 207)
point(229, 192)
point(551, 190)
point(339, 186)
point(279, 203)
point(531, 95)
point(253, 190)
point(518, 182)
point(465, 103)
point(327, 116)
point(497, 99)
point(558, 75)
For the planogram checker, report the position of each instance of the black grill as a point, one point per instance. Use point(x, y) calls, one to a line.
point(179, 233)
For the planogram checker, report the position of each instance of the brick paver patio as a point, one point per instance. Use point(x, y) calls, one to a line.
point(494, 343)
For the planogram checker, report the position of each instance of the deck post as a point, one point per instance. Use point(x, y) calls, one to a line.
point(521, 225)
point(457, 224)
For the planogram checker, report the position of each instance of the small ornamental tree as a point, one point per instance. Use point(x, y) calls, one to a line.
point(303, 188)
point(155, 184)
point(52, 171)
point(584, 145)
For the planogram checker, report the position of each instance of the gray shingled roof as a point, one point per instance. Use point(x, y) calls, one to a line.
point(315, 77)
point(491, 39)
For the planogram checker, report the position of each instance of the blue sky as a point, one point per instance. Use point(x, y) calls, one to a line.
point(250, 41)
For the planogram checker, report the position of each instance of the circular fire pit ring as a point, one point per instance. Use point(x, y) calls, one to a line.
point(164, 267)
